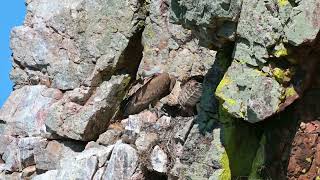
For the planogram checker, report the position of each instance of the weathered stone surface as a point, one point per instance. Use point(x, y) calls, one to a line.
point(74, 43)
point(88, 121)
point(204, 160)
point(258, 29)
point(82, 58)
point(304, 25)
point(48, 154)
point(25, 111)
point(253, 100)
point(171, 48)
point(85, 164)
point(123, 162)
point(212, 21)
point(109, 137)
point(49, 175)
point(134, 123)
point(159, 160)
point(145, 141)
point(18, 153)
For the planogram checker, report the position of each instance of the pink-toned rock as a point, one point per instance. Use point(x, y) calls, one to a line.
point(18, 153)
point(135, 122)
point(24, 112)
point(48, 154)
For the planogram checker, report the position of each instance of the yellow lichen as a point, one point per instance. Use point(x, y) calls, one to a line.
point(224, 82)
point(278, 73)
point(290, 91)
point(280, 52)
point(226, 175)
point(283, 2)
point(230, 101)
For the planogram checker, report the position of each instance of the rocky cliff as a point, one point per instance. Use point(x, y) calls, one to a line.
point(164, 89)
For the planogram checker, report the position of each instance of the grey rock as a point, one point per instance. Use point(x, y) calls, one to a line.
point(303, 26)
point(212, 21)
point(18, 153)
point(258, 29)
point(88, 121)
point(49, 175)
point(134, 123)
point(169, 47)
point(48, 154)
point(26, 109)
point(123, 163)
point(84, 165)
point(145, 141)
point(253, 100)
point(159, 160)
point(109, 137)
point(71, 44)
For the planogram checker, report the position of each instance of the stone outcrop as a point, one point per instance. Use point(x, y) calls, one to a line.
point(163, 89)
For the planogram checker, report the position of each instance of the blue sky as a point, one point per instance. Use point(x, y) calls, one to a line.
point(12, 13)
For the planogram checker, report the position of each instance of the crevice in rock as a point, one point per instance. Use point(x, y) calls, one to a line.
point(154, 175)
point(131, 57)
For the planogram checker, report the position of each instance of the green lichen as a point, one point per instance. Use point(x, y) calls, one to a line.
point(226, 175)
point(241, 142)
point(259, 161)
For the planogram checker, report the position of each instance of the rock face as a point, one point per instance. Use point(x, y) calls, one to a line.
point(163, 89)
point(25, 111)
point(88, 121)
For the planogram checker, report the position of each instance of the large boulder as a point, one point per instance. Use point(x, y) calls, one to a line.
point(170, 48)
point(86, 122)
point(66, 44)
point(214, 22)
point(26, 109)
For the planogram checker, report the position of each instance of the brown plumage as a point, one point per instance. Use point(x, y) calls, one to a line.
point(155, 89)
point(190, 94)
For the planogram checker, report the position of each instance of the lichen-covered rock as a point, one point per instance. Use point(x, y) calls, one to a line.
point(253, 100)
point(25, 111)
point(304, 25)
point(87, 121)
